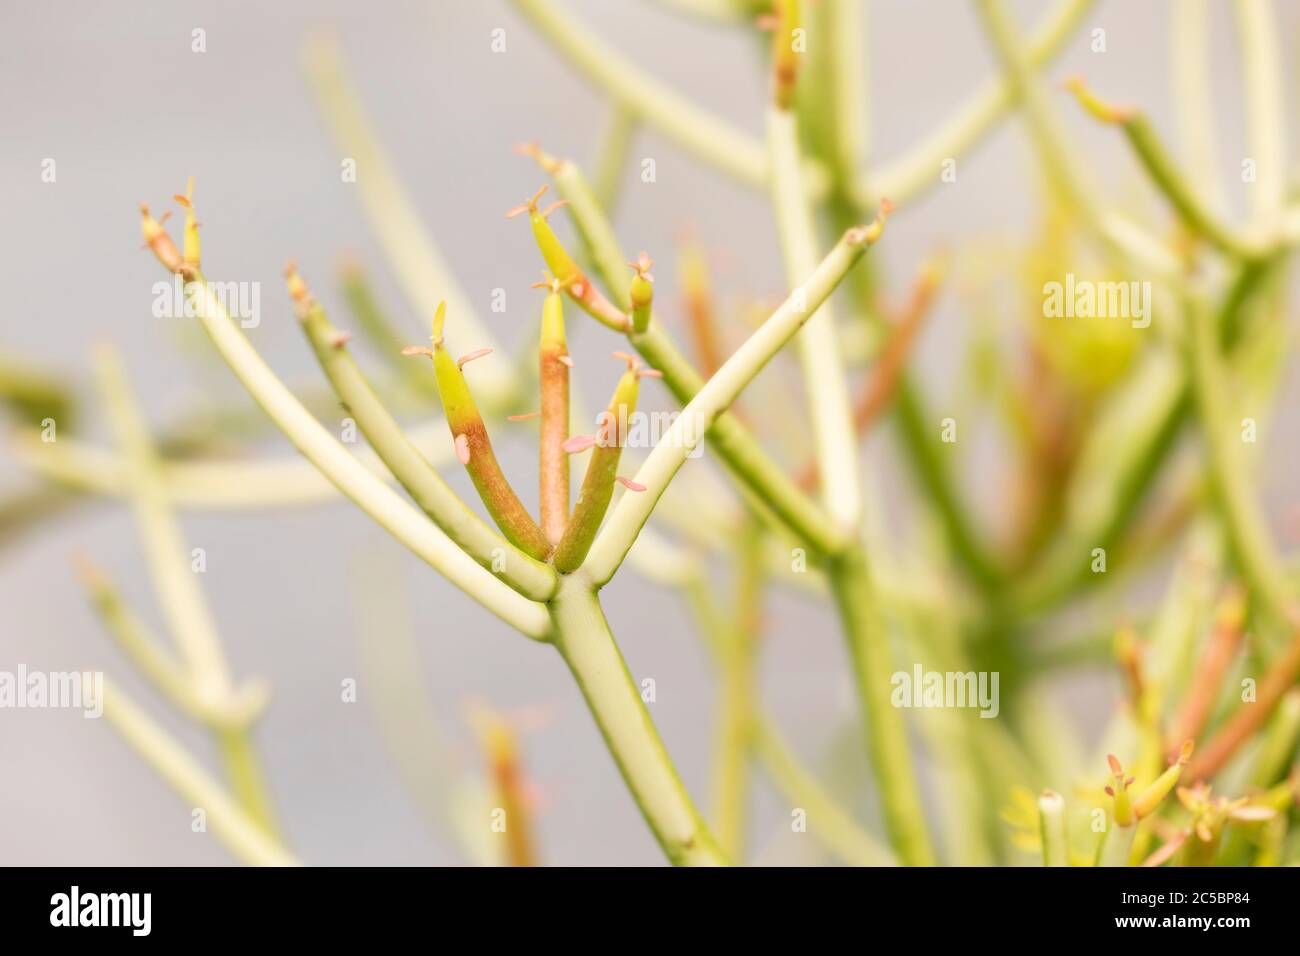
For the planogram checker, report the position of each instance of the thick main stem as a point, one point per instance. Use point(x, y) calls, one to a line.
point(584, 640)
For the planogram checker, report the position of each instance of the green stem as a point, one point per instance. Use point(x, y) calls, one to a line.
point(421, 270)
point(1258, 557)
point(1266, 116)
point(525, 574)
point(740, 452)
point(1124, 240)
point(919, 169)
point(1193, 101)
point(246, 777)
point(829, 823)
point(611, 161)
point(231, 823)
point(583, 638)
point(710, 403)
point(738, 706)
point(891, 758)
point(708, 137)
point(824, 378)
point(352, 478)
point(1051, 818)
point(1164, 172)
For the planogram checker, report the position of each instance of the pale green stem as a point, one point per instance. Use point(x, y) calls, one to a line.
point(1117, 844)
point(850, 85)
point(828, 822)
point(1277, 751)
point(769, 487)
point(1051, 820)
point(452, 800)
point(583, 638)
point(611, 162)
point(1258, 34)
point(709, 138)
point(740, 156)
point(232, 825)
point(245, 773)
point(1122, 237)
point(739, 697)
point(1193, 100)
point(375, 498)
point(184, 607)
point(187, 613)
point(825, 382)
point(884, 729)
point(422, 272)
point(711, 401)
point(1247, 528)
point(919, 169)
point(1165, 174)
point(151, 657)
point(529, 577)
point(387, 340)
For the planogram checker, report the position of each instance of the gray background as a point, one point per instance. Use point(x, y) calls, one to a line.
point(113, 93)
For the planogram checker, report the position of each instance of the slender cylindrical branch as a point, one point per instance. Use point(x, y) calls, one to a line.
point(1051, 820)
point(567, 272)
point(349, 475)
point(584, 639)
point(553, 376)
point(523, 572)
point(716, 396)
point(602, 471)
point(786, 47)
point(880, 386)
point(241, 833)
point(819, 350)
point(1146, 802)
point(738, 450)
point(474, 448)
point(1166, 175)
point(374, 324)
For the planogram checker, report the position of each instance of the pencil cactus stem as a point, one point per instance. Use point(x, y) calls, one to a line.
point(1051, 818)
point(567, 272)
point(785, 53)
point(714, 398)
point(554, 380)
point(427, 489)
point(602, 472)
point(1118, 791)
point(1163, 785)
point(474, 449)
point(737, 448)
point(1167, 177)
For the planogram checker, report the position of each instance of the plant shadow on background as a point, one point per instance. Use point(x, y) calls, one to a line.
point(1145, 370)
